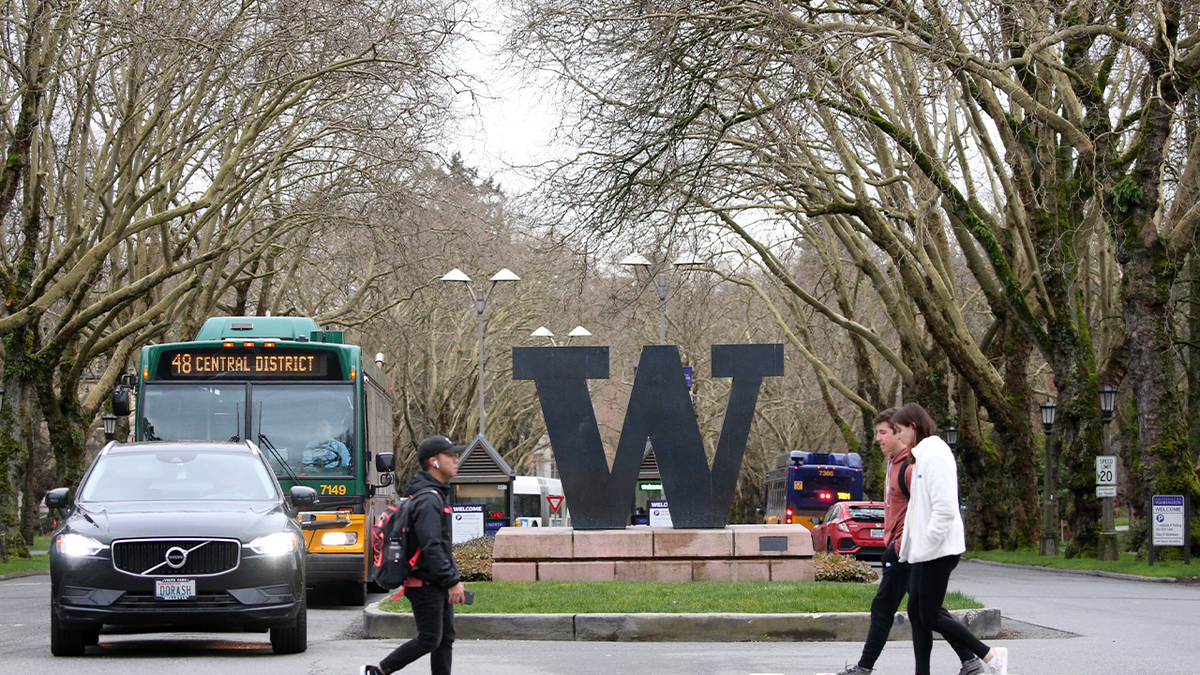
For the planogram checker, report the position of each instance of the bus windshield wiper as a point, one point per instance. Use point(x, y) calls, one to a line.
point(266, 443)
point(237, 424)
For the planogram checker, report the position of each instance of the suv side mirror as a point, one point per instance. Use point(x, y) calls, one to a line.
point(120, 401)
point(59, 499)
point(302, 495)
point(385, 462)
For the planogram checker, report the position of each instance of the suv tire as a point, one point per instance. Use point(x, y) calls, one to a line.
point(64, 641)
point(292, 639)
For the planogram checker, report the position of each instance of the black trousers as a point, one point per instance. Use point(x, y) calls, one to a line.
point(926, 593)
point(893, 585)
point(434, 616)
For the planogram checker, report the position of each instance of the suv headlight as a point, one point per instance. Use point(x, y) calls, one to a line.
point(77, 546)
point(280, 543)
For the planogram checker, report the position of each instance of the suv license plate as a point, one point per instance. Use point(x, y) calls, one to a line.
point(174, 589)
point(877, 532)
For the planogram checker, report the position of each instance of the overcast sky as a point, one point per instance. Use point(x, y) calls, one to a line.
point(507, 121)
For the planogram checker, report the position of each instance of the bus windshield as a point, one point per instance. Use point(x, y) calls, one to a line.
point(310, 425)
point(193, 412)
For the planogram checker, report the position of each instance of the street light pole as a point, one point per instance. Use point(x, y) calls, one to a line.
point(481, 301)
point(662, 283)
point(1049, 543)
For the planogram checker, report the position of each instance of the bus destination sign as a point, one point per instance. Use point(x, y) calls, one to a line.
point(206, 364)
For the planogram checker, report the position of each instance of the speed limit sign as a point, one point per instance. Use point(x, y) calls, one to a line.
point(1106, 470)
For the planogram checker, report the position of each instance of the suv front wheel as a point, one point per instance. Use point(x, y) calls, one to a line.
point(292, 639)
point(67, 642)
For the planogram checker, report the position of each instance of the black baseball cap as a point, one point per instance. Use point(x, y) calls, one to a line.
point(436, 445)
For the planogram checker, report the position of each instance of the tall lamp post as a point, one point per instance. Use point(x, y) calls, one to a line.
point(1049, 544)
point(481, 300)
point(1109, 548)
point(662, 283)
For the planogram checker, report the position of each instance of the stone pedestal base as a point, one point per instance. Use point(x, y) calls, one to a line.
point(734, 553)
point(1109, 548)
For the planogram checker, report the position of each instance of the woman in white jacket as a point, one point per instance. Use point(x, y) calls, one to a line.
point(933, 542)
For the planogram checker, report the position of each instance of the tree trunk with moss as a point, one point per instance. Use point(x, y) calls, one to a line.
point(979, 478)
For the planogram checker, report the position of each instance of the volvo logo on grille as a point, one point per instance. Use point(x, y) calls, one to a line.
point(176, 557)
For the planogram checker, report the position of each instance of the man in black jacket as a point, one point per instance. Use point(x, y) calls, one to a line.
point(434, 587)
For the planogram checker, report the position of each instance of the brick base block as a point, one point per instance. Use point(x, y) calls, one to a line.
point(735, 553)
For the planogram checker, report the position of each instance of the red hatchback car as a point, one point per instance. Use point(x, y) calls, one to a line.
point(853, 528)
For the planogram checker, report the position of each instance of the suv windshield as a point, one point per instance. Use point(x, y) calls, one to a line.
point(178, 474)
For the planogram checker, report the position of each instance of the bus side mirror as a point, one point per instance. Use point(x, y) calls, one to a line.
point(302, 495)
point(385, 462)
point(120, 401)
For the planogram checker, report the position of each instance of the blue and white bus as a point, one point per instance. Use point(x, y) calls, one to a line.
point(805, 484)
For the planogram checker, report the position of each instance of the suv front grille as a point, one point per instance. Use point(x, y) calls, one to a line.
point(176, 557)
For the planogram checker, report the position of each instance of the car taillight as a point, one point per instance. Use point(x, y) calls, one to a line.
point(842, 526)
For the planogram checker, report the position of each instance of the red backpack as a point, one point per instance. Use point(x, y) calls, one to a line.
point(393, 556)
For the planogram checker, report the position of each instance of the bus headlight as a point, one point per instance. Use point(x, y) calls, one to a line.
point(280, 543)
point(79, 546)
point(339, 538)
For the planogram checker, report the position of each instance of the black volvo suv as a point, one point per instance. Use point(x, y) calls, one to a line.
point(174, 536)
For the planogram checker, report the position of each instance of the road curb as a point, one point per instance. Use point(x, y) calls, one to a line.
point(18, 575)
point(715, 627)
point(1090, 573)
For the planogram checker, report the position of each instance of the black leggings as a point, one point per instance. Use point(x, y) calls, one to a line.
point(892, 588)
point(926, 592)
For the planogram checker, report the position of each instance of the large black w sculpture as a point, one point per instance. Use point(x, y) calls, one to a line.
point(659, 409)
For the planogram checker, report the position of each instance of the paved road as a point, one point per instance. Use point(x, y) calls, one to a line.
point(1092, 626)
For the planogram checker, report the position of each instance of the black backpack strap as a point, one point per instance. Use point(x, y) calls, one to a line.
point(904, 479)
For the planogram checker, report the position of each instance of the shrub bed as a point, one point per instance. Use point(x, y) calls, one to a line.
point(474, 559)
point(843, 568)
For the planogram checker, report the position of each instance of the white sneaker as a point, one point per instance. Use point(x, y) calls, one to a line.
point(999, 663)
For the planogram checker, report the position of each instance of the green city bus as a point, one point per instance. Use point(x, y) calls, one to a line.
point(314, 406)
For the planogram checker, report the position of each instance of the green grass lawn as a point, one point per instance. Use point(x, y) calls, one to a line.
point(38, 563)
point(1128, 564)
point(548, 597)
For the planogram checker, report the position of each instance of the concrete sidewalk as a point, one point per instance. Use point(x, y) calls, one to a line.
point(715, 627)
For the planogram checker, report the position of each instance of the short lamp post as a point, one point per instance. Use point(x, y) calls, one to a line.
point(952, 437)
point(481, 300)
point(1049, 543)
point(110, 426)
point(662, 283)
point(1109, 548)
point(576, 332)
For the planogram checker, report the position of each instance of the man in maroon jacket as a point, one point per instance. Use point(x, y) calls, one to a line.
point(894, 583)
